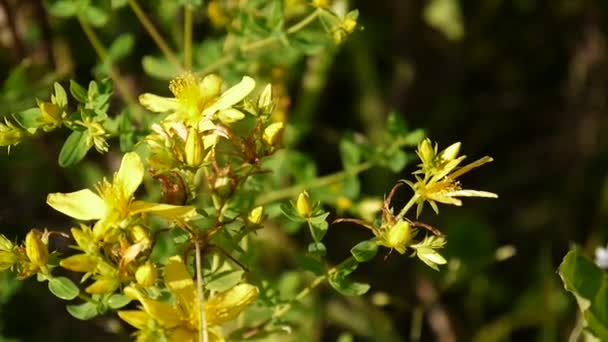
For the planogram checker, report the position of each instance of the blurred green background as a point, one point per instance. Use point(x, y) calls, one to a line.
point(523, 81)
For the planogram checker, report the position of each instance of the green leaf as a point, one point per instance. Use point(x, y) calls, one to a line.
point(350, 153)
point(290, 212)
point(63, 288)
point(310, 264)
point(589, 284)
point(347, 287)
point(84, 311)
point(121, 47)
point(63, 8)
point(118, 3)
point(78, 92)
point(94, 16)
point(365, 250)
point(29, 119)
point(317, 248)
point(225, 280)
point(74, 149)
point(318, 226)
point(159, 68)
point(117, 301)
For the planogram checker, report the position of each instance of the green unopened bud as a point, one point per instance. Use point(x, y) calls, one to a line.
point(5, 244)
point(272, 133)
point(10, 134)
point(103, 285)
point(195, 152)
point(398, 236)
point(84, 239)
point(230, 115)
point(265, 99)
point(146, 274)
point(79, 263)
point(223, 186)
point(256, 216)
point(426, 152)
point(450, 153)
point(303, 205)
point(7, 260)
point(35, 249)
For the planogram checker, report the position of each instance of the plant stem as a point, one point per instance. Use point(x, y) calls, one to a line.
point(315, 183)
point(102, 53)
point(158, 39)
point(203, 333)
point(228, 58)
point(407, 207)
point(301, 295)
point(188, 37)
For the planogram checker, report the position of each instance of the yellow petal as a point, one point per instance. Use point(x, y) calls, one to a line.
point(473, 193)
point(138, 319)
point(231, 96)
point(157, 103)
point(227, 305)
point(167, 211)
point(183, 335)
point(166, 314)
point(81, 205)
point(180, 283)
point(131, 173)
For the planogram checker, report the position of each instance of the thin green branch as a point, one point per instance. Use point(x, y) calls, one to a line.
point(261, 43)
point(158, 39)
point(203, 329)
point(315, 183)
point(188, 37)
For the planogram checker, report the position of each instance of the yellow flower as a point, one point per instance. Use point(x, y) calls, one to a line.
point(179, 321)
point(196, 101)
point(441, 171)
point(114, 202)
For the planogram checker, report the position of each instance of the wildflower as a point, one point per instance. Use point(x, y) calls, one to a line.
point(196, 101)
point(114, 202)
point(10, 135)
point(303, 205)
point(52, 115)
point(397, 236)
point(179, 321)
point(36, 249)
point(426, 251)
point(272, 133)
point(256, 216)
point(8, 257)
point(441, 171)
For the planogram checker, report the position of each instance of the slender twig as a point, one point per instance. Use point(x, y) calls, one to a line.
point(158, 39)
point(315, 183)
point(258, 44)
point(188, 37)
point(203, 329)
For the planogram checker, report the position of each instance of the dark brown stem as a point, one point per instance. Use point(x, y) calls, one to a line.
point(428, 227)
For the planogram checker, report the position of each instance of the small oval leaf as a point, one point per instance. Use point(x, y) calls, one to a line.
point(63, 288)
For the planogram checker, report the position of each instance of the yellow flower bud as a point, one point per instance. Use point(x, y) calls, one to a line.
point(272, 133)
point(10, 134)
point(146, 274)
point(350, 21)
point(398, 236)
point(5, 244)
point(35, 249)
point(194, 149)
point(7, 260)
point(426, 152)
point(103, 285)
point(84, 239)
point(230, 115)
point(51, 114)
point(256, 216)
point(265, 99)
point(450, 153)
point(140, 234)
point(303, 205)
point(321, 3)
point(79, 263)
point(216, 14)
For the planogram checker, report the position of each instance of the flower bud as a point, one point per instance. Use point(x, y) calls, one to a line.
point(51, 114)
point(194, 149)
point(5, 244)
point(230, 115)
point(84, 239)
point(265, 99)
point(146, 274)
point(450, 153)
point(79, 263)
point(272, 133)
point(303, 205)
point(10, 134)
point(211, 86)
point(426, 152)
point(140, 234)
point(7, 260)
point(321, 3)
point(398, 236)
point(103, 285)
point(35, 249)
point(256, 216)
point(223, 186)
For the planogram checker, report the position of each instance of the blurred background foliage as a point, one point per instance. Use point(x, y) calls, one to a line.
point(523, 81)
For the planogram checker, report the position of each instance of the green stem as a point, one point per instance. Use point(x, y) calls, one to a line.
point(301, 295)
point(102, 53)
point(158, 39)
point(203, 332)
point(188, 37)
point(315, 183)
point(258, 44)
point(407, 207)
